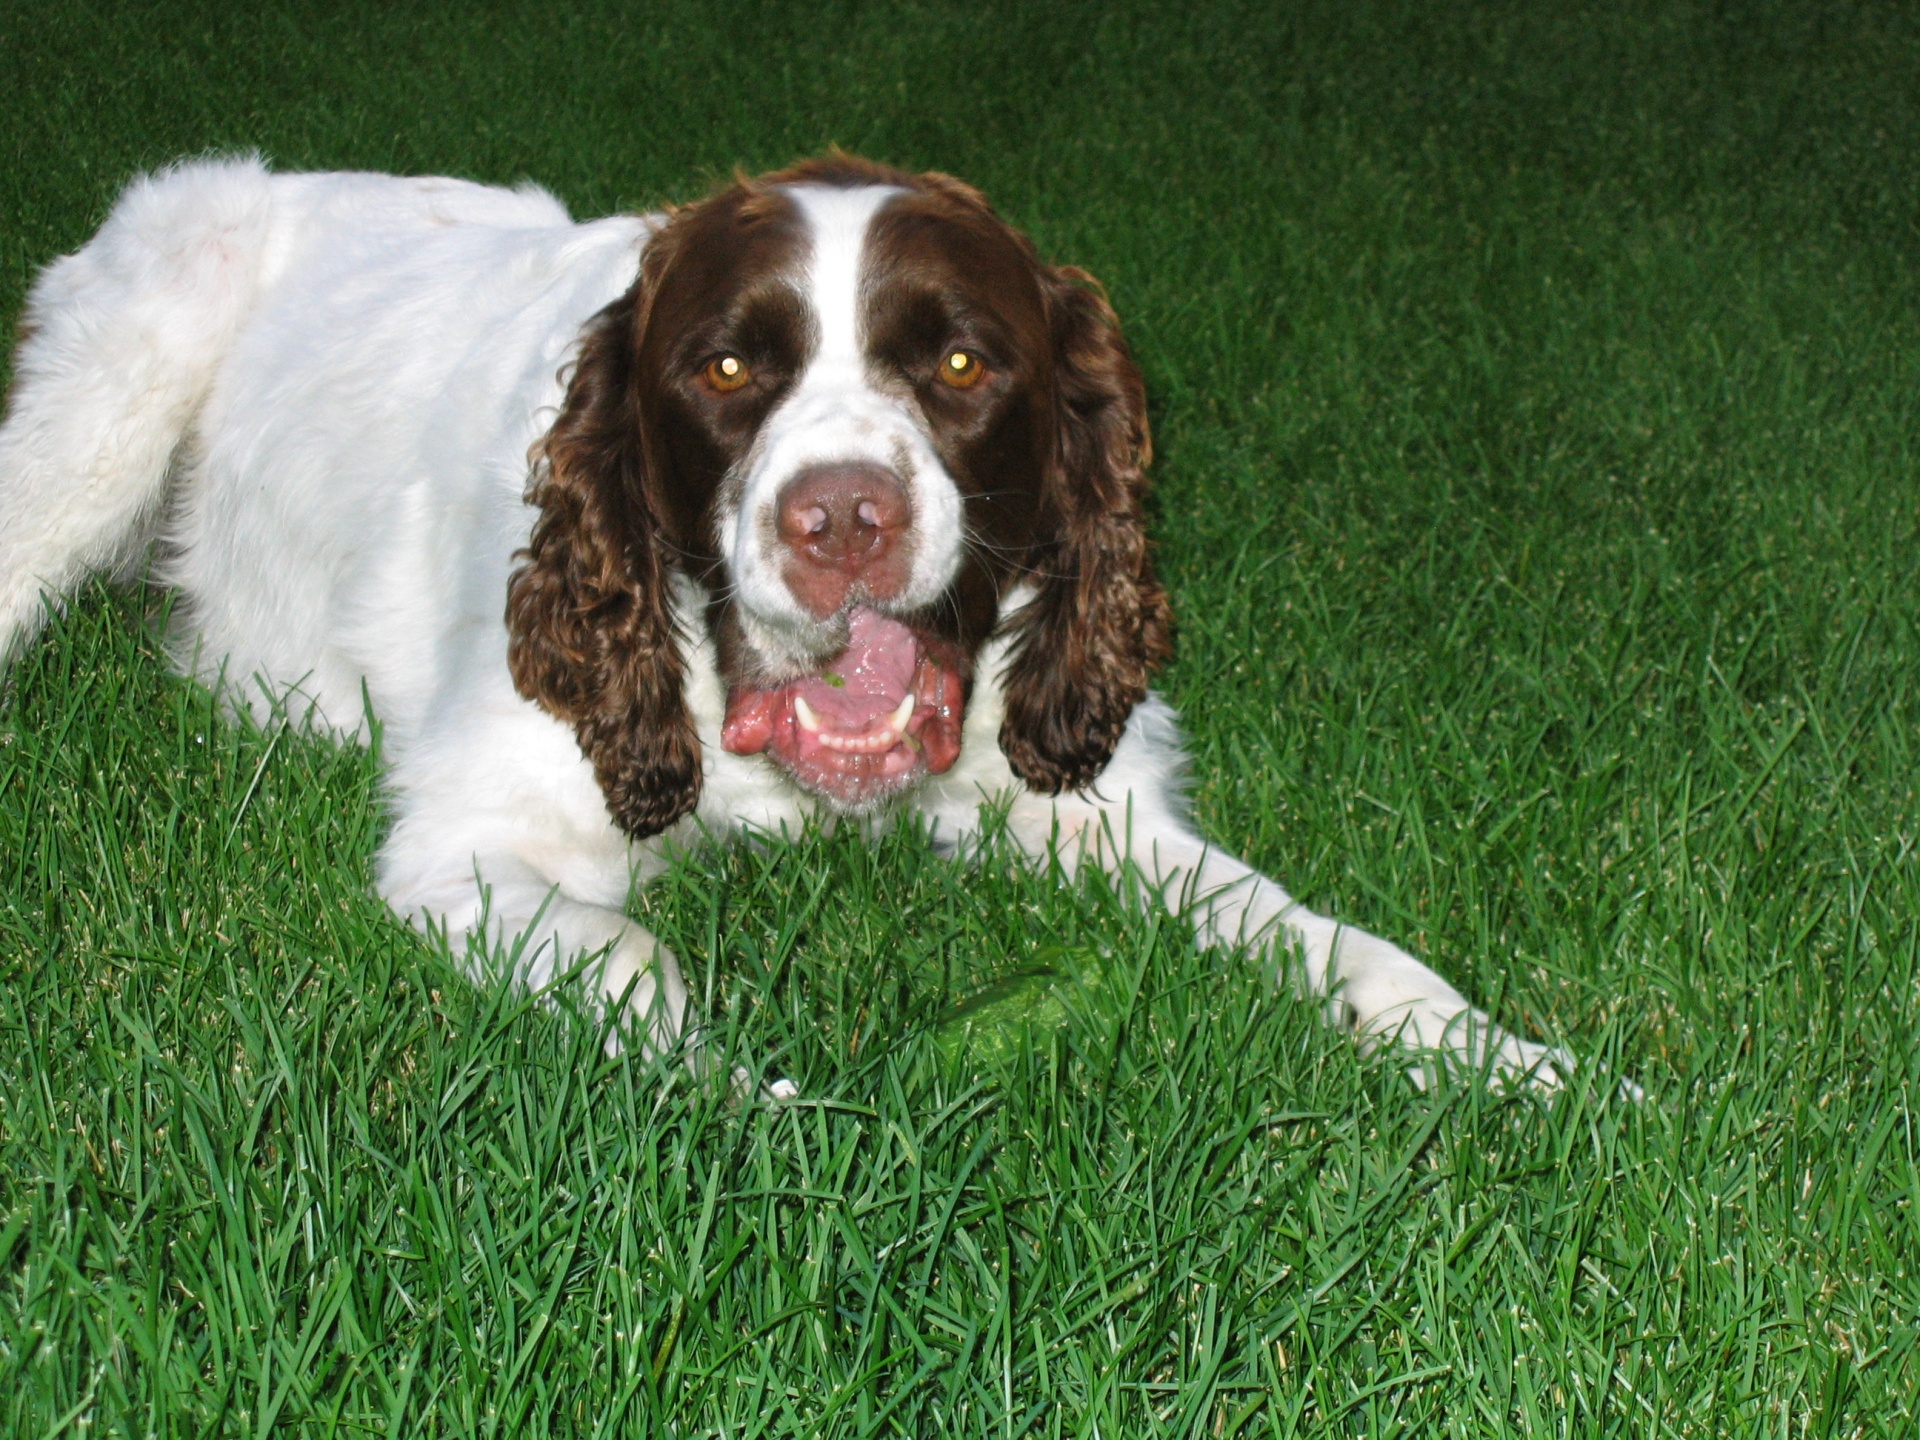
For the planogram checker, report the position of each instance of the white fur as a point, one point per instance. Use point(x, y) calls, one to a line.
point(345, 373)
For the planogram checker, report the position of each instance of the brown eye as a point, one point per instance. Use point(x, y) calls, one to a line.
point(962, 369)
point(728, 373)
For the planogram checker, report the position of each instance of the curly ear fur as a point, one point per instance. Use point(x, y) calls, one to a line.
point(590, 630)
point(1089, 640)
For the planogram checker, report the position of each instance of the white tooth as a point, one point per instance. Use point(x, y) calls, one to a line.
point(902, 713)
point(803, 712)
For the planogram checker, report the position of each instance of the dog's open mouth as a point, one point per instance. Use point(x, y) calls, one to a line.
point(872, 721)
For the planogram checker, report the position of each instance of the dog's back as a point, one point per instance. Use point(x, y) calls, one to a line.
point(245, 336)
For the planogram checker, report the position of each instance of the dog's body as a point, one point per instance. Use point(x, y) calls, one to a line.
point(834, 511)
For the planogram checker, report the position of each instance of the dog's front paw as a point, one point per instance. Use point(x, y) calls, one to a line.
point(1462, 1041)
point(1465, 1042)
point(1544, 1068)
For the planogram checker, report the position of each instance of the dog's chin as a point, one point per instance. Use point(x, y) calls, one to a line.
point(865, 725)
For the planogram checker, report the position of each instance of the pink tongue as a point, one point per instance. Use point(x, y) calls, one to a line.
point(868, 680)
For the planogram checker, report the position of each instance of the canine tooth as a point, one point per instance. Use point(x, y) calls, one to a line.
point(902, 713)
point(803, 712)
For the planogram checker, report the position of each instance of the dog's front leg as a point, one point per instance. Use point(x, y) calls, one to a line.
point(498, 906)
point(1133, 824)
point(504, 907)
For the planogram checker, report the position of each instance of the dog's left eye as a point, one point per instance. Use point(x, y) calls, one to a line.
point(962, 369)
point(727, 373)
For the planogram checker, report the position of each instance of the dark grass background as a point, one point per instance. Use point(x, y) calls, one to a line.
point(1537, 390)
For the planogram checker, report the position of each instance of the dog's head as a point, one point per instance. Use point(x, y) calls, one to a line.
point(855, 408)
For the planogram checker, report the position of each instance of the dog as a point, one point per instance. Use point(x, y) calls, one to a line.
point(819, 498)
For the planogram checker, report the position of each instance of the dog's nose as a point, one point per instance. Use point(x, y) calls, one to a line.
point(844, 525)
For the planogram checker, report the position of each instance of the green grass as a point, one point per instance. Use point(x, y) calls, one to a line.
point(1537, 391)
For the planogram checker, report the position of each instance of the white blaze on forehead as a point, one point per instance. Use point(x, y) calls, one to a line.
point(837, 220)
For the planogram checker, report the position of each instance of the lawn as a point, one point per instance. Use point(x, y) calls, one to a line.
point(1537, 397)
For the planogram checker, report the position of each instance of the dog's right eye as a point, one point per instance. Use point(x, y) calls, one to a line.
point(727, 373)
point(962, 369)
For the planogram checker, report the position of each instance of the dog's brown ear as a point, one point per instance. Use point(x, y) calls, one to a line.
point(1098, 627)
point(590, 629)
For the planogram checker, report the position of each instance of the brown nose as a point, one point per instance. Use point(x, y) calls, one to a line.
point(844, 525)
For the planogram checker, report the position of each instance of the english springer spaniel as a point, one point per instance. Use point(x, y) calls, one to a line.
point(820, 497)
